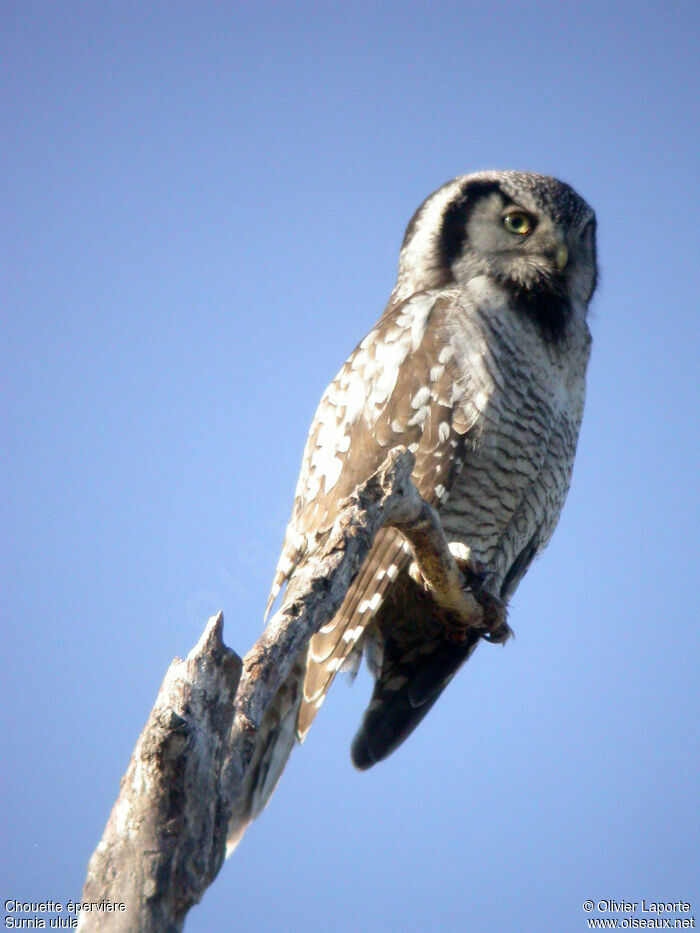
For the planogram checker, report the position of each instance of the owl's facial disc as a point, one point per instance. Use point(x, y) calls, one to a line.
point(530, 234)
point(519, 246)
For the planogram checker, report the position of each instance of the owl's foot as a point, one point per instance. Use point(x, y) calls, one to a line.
point(499, 635)
point(493, 627)
point(483, 613)
point(496, 629)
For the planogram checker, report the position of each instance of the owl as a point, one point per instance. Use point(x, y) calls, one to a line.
point(477, 365)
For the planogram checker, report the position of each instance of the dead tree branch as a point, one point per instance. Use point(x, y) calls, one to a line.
point(165, 838)
point(164, 842)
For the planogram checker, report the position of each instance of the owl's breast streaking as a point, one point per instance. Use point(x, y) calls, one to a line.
point(523, 401)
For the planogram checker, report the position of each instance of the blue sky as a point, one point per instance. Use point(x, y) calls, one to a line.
point(203, 207)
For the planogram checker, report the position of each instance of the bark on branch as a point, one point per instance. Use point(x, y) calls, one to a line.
point(164, 842)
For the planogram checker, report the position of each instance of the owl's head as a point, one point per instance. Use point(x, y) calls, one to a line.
point(531, 234)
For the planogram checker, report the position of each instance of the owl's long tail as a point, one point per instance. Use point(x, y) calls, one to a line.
point(274, 743)
point(409, 684)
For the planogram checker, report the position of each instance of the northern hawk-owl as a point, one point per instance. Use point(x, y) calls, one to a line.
point(478, 366)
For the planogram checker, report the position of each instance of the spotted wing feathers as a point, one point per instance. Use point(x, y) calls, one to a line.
point(374, 404)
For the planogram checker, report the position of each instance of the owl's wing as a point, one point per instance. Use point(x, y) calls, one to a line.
point(399, 386)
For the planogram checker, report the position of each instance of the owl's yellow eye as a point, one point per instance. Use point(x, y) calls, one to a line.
point(519, 222)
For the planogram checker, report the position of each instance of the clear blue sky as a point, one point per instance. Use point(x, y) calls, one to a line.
point(202, 208)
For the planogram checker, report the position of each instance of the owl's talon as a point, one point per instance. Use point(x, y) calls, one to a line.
point(499, 635)
point(493, 610)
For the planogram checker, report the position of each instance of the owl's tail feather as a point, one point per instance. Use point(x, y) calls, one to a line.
point(405, 691)
point(274, 744)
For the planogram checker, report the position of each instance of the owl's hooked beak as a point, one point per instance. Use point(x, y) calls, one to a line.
point(561, 254)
